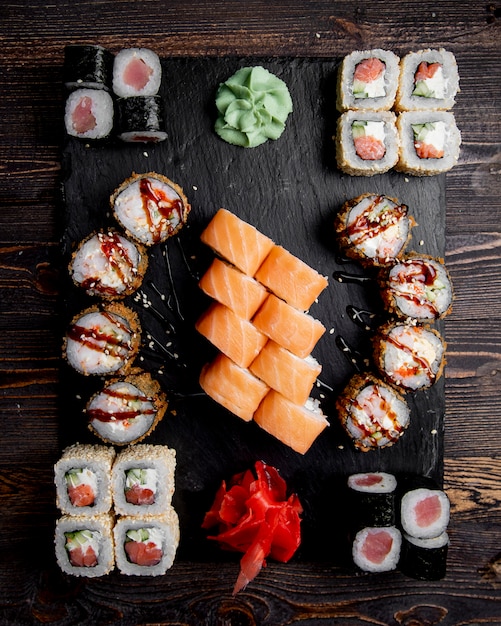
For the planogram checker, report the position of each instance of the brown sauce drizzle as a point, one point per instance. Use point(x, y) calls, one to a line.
point(422, 364)
point(107, 416)
point(170, 210)
point(386, 408)
point(117, 257)
point(91, 337)
point(418, 271)
point(364, 227)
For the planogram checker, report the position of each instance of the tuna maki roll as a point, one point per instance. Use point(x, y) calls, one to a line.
point(373, 414)
point(150, 207)
point(424, 512)
point(136, 72)
point(140, 119)
point(87, 66)
point(409, 355)
point(372, 499)
point(377, 549)
point(424, 559)
point(108, 265)
point(127, 409)
point(146, 545)
point(84, 544)
point(143, 479)
point(103, 340)
point(368, 80)
point(429, 79)
point(373, 229)
point(417, 287)
point(89, 114)
point(82, 477)
point(367, 142)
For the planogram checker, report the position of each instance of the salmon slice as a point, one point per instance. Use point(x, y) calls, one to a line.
point(83, 556)
point(236, 241)
point(369, 70)
point(233, 387)
point(295, 425)
point(369, 148)
point(231, 287)
point(426, 70)
point(81, 495)
point(285, 372)
point(427, 150)
point(291, 328)
point(234, 336)
point(143, 553)
point(291, 278)
point(137, 74)
point(139, 495)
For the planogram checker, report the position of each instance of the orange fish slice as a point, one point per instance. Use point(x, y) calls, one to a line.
point(289, 327)
point(231, 287)
point(295, 425)
point(285, 372)
point(232, 386)
point(236, 241)
point(291, 278)
point(234, 336)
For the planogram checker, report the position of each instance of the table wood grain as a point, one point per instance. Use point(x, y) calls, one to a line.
point(32, 590)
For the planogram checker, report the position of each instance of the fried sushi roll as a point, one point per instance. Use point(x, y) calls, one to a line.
point(127, 409)
point(136, 72)
point(82, 478)
point(103, 340)
point(367, 142)
point(429, 142)
point(84, 544)
point(417, 287)
point(143, 479)
point(368, 80)
point(89, 114)
point(373, 414)
point(373, 229)
point(150, 207)
point(408, 355)
point(146, 545)
point(429, 79)
point(108, 265)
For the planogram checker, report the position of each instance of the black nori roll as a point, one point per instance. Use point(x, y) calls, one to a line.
point(140, 119)
point(372, 499)
point(87, 66)
point(424, 559)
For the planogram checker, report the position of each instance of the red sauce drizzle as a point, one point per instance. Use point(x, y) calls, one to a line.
point(107, 416)
point(364, 227)
point(170, 209)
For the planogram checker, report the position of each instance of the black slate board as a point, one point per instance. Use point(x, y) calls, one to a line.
point(289, 189)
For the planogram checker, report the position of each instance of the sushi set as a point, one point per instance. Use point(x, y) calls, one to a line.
point(235, 295)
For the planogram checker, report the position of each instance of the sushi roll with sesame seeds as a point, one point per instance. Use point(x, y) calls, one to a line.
point(373, 229)
point(103, 340)
point(82, 478)
point(373, 414)
point(136, 72)
point(108, 265)
point(150, 207)
point(408, 355)
point(417, 286)
point(126, 409)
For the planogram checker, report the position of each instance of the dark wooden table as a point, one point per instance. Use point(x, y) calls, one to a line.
point(33, 36)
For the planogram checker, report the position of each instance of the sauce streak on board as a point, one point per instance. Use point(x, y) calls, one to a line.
point(167, 207)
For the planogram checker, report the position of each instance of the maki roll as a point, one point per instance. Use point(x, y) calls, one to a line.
point(373, 414)
point(150, 207)
point(372, 499)
point(89, 114)
point(429, 142)
point(367, 142)
point(373, 229)
point(127, 409)
point(136, 72)
point(146, 545)
point(84, 544)
point(377, 549)
point(143, 479)
point(429, 79)
point(424, 559)
point(108, 265)
point(103, 340)
point(368, 80)
point(140, 119)
point(408, 355)
point(87, 66)
point(417, 287)
point(424, 512)
point(82, 478)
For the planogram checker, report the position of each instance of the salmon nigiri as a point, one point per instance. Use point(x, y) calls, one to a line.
point(297, 426)
point(291, 278)
point(234, 336)
point(285, 372)
point(236, 241)
point(229, 286)
point(232, 386)
point(289, 327)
